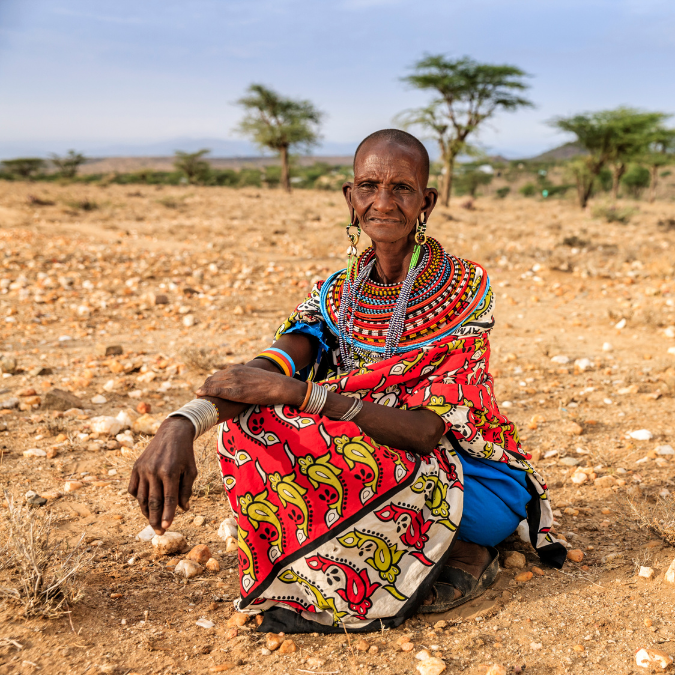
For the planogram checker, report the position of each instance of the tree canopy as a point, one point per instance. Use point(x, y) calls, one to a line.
point(192, 164)
point(23, 167)
point(611, 137)
point(279, 124)
point(466, 94)
point(68, 165)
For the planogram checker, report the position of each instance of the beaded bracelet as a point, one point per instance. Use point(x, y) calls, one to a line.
point(202, 413)
point(280, 359)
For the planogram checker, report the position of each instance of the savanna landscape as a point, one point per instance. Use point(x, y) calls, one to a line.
point(118, 300)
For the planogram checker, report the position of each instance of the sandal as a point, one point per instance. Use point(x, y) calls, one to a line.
point(452, 578)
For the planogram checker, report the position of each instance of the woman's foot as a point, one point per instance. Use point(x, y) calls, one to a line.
point(466, 556)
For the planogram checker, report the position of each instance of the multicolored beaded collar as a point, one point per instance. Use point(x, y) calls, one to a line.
point(445, 294)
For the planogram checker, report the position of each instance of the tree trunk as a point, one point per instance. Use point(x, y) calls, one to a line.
point(617, 173)
point(448, 165)
point(654, 171)
point(285, 173)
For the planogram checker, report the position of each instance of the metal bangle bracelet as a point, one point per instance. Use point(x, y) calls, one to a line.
point(353, 411)
point(202, 413)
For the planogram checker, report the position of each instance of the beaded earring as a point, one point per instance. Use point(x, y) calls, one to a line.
point(352, 252)
point(420, 240)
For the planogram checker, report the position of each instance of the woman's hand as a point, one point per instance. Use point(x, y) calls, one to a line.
point(254, 386)
point(162, 476)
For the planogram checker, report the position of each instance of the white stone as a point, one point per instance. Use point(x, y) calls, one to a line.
point(671, 350)
point(146, 534)
point(231, 545)
point(99, 399)
point(583, 364)
point(105, 425)
point(670, 573)
point(646, 658)
point(188, 568)
point(169, 542)
point(146, 424)
point(205, 623)
point(669, 332)
point(125, 439)
point(646, 572)
point(562, 360)
point(579, 477)
point(621, 324)
point(34, 452)
point(189, 320)
point(125, 419)
point(109, 385)
point(665, 450)
point(228, 528)
point(432, 666)
point(641, 435)
point(607, 347)
point(507, 404)
point(423, 655)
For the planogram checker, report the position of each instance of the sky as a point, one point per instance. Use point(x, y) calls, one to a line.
point(150, 76)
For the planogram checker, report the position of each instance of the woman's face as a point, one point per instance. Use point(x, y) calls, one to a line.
point(389, 191)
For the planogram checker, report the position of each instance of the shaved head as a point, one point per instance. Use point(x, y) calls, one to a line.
point(402, 138)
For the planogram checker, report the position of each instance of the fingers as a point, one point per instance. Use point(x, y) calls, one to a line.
point(133, 482)
point(156, 504)
point(171, 486)
point(185, 491)
point(142, 496)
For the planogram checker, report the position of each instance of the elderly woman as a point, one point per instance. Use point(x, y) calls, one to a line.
point(364, 454)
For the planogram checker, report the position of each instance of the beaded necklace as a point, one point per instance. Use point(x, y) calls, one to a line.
point(350, 301)
point(444, 292)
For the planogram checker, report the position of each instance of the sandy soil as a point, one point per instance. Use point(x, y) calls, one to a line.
point(84, 273)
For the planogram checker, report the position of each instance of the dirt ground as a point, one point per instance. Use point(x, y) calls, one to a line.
point(88, 271)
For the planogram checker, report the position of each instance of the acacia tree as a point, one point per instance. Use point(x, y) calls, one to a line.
point(610, 137)
point(68, 165)
point(468, 93)
point(192, 164)
point(660, 153)
point(24, 167)
point(279, 124)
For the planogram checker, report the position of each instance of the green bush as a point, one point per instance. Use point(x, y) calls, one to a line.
point(604, 180)
point(635, 180)
point(502, 192)
point(250, 178)
point(468, 180)
point(528, 190)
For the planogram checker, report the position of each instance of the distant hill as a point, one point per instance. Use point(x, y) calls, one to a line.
point(561, 153)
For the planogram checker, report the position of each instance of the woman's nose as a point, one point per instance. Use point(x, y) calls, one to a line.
point(384, 200)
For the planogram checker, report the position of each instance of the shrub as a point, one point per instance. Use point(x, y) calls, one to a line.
point(635, 180)
point(528, 190)
point(613, 214)
point(250, 178)
point(502, 192)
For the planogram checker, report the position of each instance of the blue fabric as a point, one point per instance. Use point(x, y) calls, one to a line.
point(495, 500)
point(315, 330)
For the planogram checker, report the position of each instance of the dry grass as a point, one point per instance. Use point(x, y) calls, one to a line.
point(658, 518)
point(202, 359)
point(46, 570)
point(209, 478)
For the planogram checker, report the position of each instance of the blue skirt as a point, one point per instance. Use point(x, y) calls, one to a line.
point(496, 489)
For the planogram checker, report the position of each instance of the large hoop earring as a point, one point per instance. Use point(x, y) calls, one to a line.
point(352, 251)
point(420, 232)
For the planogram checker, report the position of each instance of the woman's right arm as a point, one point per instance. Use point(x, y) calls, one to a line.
point(162, 476)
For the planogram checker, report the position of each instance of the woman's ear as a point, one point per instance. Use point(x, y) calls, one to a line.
point(347, 192)
point(430, 200)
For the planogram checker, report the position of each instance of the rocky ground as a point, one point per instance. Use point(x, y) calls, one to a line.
point(118, 301)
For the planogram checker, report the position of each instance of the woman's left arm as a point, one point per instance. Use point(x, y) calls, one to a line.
point(417, 431)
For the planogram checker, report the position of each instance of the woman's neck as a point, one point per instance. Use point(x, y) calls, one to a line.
point(392, 260)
